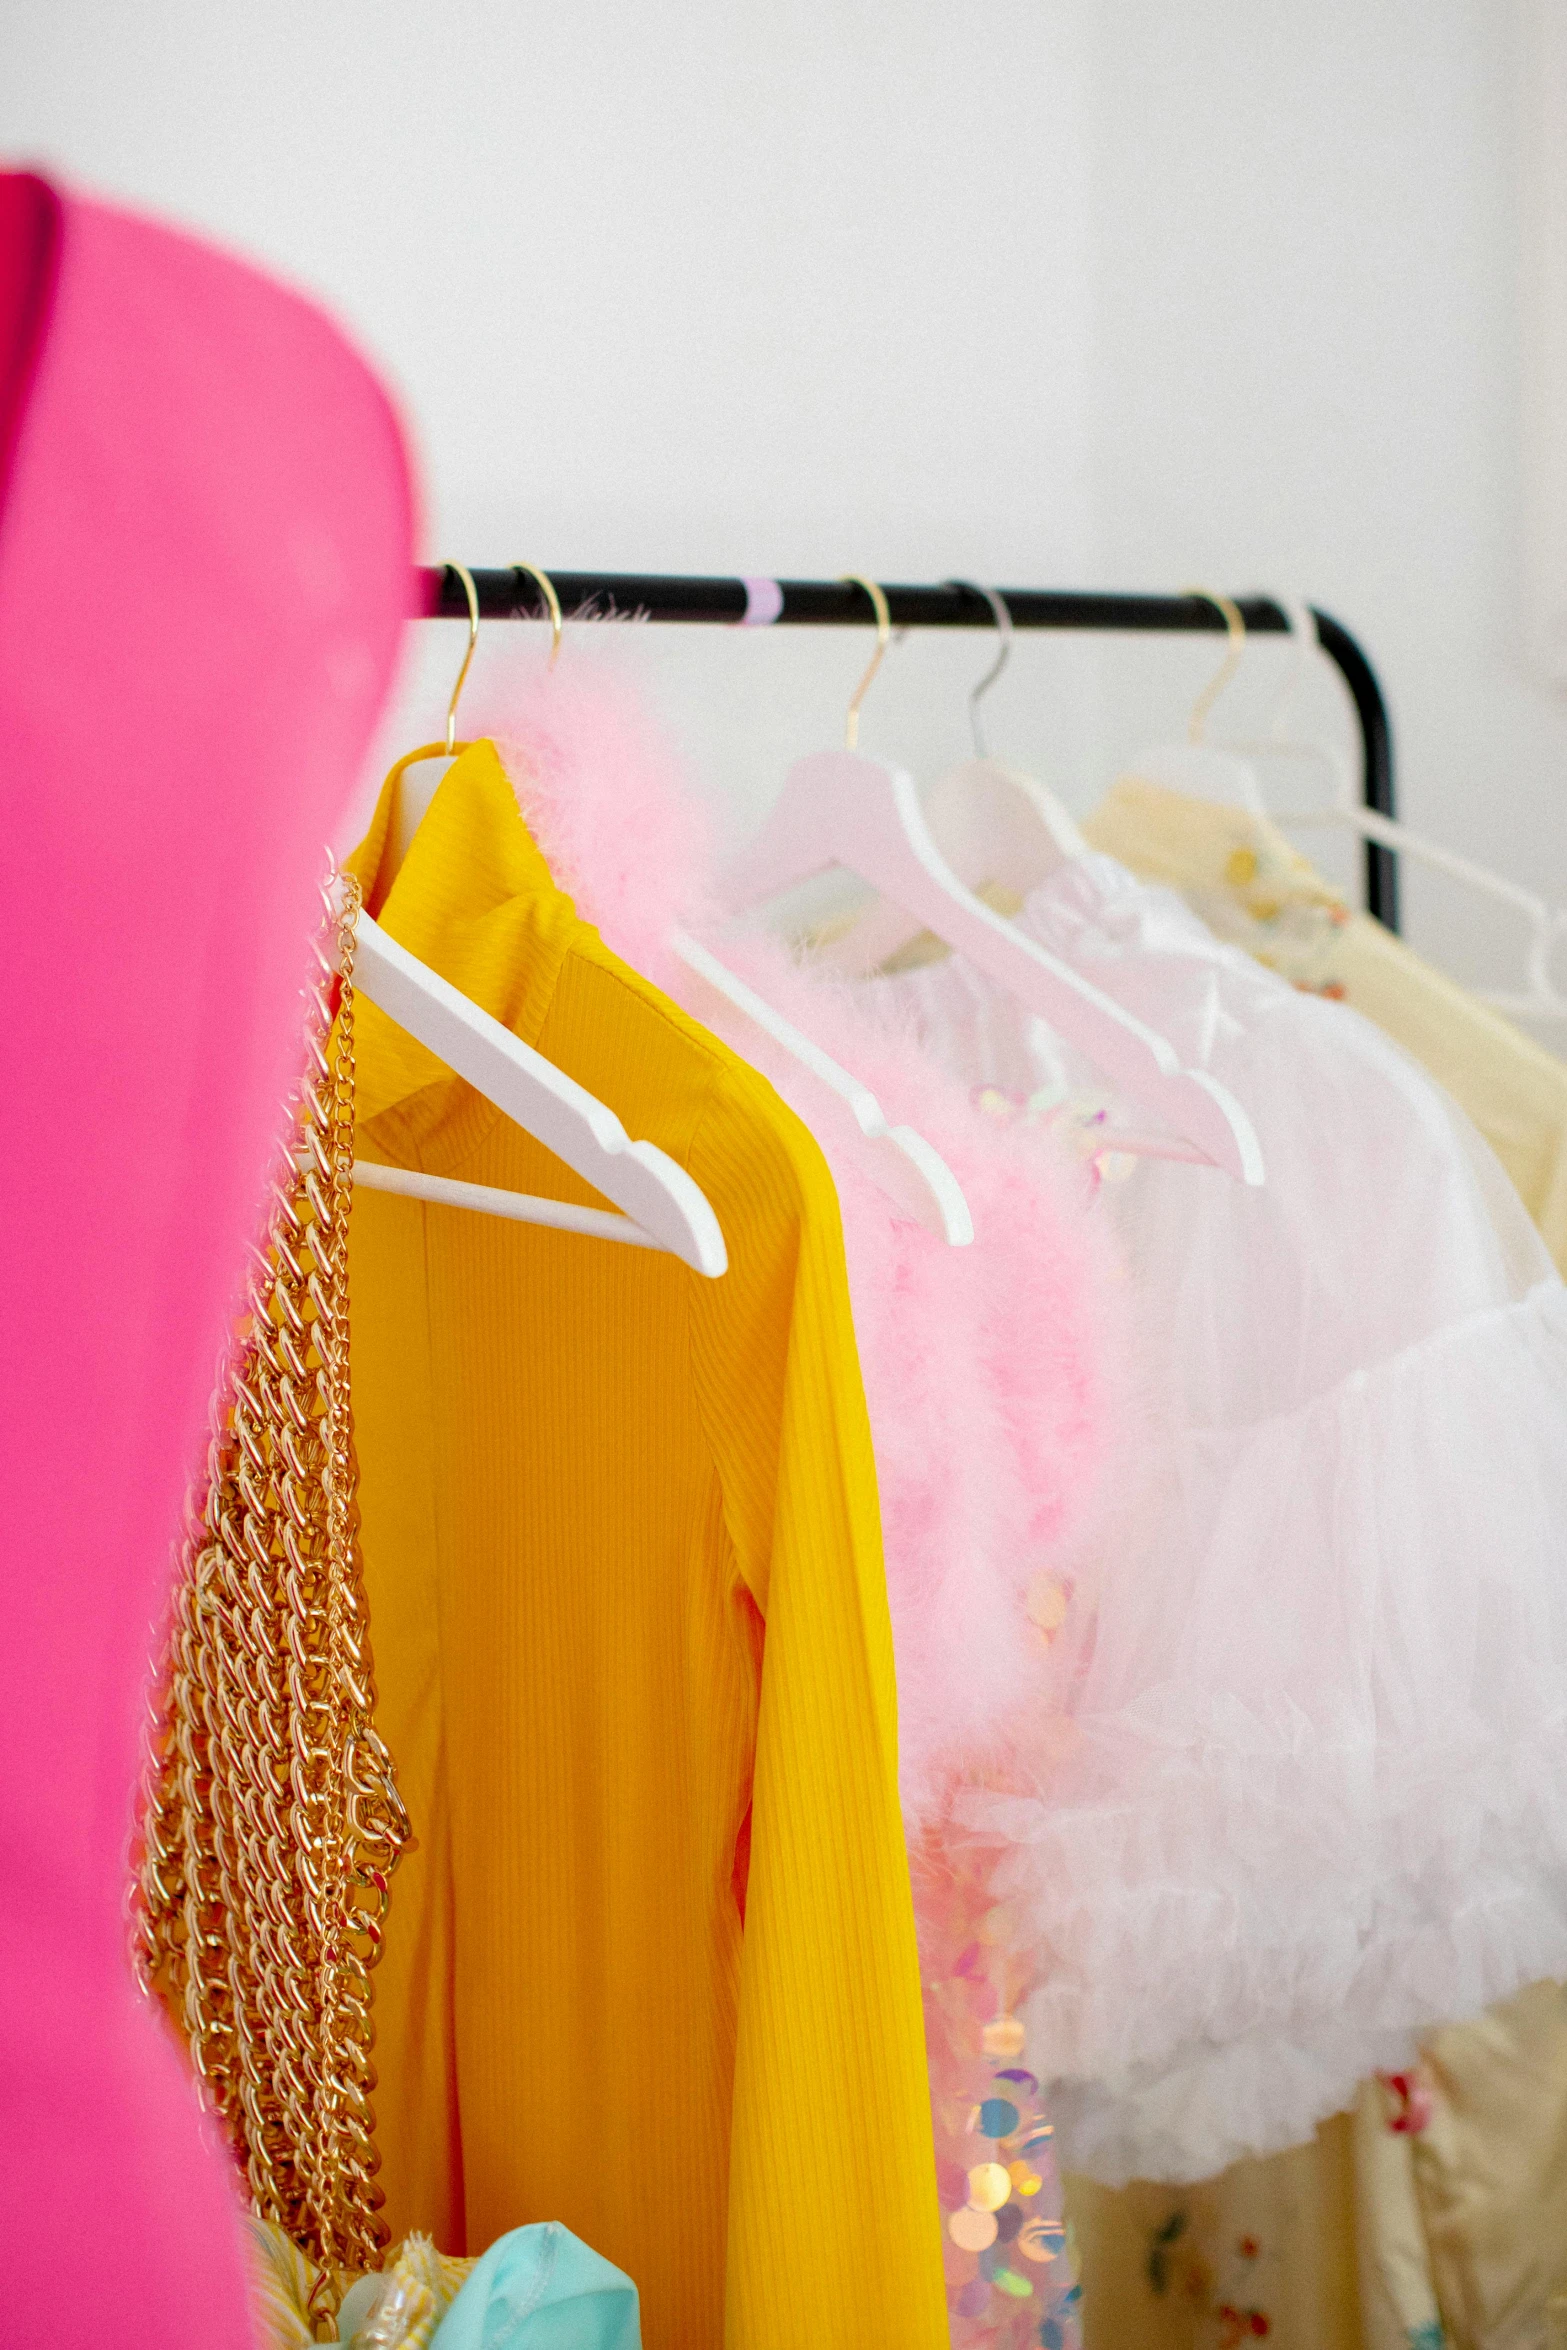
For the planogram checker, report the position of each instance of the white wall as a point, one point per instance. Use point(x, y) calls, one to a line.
point(786, 290)
point(1049, 290)
point(1306, 236)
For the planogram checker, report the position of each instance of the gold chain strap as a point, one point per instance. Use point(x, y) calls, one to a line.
point(272, 1822)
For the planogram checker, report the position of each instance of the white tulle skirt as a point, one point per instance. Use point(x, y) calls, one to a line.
point(1296, 1788)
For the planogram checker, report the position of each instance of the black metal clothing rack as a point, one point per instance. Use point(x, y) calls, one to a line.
point(836, 603)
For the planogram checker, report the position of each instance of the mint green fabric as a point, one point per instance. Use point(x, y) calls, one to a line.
point(538, 2288)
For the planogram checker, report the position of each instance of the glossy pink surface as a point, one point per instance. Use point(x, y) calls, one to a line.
point(204, 570)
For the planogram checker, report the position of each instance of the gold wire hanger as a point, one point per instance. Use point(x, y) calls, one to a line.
point(1197, 768)
point(451, 747)
point(851, 723)
point(547, 589)
point(1235, 631)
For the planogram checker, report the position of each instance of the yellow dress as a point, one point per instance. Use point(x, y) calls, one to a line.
point(652, 1969)
point(1450, 2234)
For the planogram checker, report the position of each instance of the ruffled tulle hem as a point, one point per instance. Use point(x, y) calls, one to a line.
point(1338, 1816)
point(1224, 1998)
point(1204, 2105)
point(1191, 2122)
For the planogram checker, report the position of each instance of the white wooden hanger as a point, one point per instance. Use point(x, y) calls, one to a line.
point(662, 1207)
point(843, 809)
point(1540, 998)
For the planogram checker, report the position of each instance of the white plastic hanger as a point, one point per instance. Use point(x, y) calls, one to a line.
point(904, 1166)
point(908, 1169)
point(662, 1207)
point(993, 822)
point(1541, 998)
point(842, 809)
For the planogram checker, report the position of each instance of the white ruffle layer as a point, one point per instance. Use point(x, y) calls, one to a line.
point(1339, 1813)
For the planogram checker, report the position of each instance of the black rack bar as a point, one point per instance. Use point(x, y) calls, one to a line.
point(834, 603)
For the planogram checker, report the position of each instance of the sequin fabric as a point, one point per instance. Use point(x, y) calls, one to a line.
point(1010, 2269)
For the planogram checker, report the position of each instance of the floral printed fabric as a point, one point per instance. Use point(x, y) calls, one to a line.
point(1264, 2253)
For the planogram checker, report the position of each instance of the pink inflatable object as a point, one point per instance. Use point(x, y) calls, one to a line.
point(205, 563)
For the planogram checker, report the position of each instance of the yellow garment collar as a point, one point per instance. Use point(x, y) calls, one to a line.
point(475, 900)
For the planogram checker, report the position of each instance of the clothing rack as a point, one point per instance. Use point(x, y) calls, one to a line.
point(836, 603)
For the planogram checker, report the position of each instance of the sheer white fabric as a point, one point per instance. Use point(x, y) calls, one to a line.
point(1311, 1792)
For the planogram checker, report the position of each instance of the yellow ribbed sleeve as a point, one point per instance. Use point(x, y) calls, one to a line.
point(652, 1969)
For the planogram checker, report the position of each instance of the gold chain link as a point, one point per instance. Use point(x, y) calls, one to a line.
point(271, 1821)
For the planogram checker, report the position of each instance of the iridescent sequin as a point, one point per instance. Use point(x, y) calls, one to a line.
point(1005, 2037)
point(972, 2231)
point(1006, 2273)
point(989, 2186)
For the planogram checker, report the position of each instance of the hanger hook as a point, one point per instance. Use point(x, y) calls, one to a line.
point(472, 594)
point(547, 588)
point(1202, 708)
point(1302, 625)
point(1003, 621)
point(851, 723)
